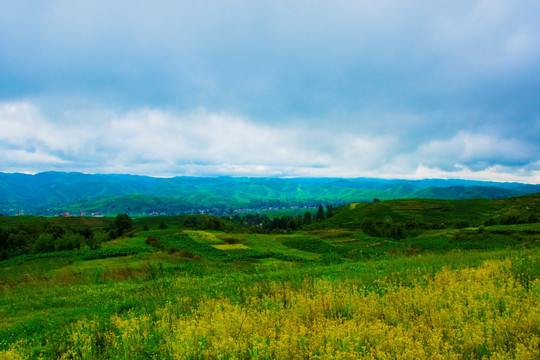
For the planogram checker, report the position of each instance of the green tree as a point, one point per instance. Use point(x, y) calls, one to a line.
point(55, 230)
point(99, 238)
point(113, 234)
point(292, 224)
point(18, 240)
point(329, 211)
point(369, 227)
point(307, 218)
point(194, 222)
point(397, 231)
point(3, 239)
point(44, 243)
point(69, 241)
point(320, 213)
point(299, 221)
point(123, 223)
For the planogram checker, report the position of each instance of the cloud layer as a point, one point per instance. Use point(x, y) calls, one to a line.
point(280, 88)
point(150, 141)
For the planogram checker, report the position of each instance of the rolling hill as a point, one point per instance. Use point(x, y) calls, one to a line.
point(51, 192)
point(435, 211)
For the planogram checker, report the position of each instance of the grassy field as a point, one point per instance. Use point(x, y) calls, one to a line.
point(321, 293)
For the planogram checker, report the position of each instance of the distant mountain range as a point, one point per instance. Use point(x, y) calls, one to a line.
point(51, 192)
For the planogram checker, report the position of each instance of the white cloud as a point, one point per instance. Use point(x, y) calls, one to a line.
point(165, 143)
point(473, 148)
point(32, 158)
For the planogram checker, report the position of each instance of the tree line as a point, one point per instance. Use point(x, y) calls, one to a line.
point(30, 238)
point(258, 223)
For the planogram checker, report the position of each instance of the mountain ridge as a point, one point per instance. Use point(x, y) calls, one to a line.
point(55, 191)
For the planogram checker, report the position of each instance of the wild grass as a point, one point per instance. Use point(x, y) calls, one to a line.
point(459, 304)
point(448, 293)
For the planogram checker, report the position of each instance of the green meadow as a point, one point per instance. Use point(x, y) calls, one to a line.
point(393, 279)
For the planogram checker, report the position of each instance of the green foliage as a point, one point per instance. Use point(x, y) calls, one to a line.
point(162, 225)
point(310, 245)
point(69, 241)
point(307, 218)
point(114, 194)
point(110, 253)
point(194, 247)
point(461, 224)
point(98, 239)
point(152, 241)
point(330, 258)
point(102, 295)
point(122, 224)
point(319, 216)
point(369, 227)
point(525, 268)
point(112, 234)
point(429, 214)
point(368, 247)
point(204, 222)
point(44, 243)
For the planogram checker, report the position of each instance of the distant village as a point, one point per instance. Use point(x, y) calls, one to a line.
point(215, 211)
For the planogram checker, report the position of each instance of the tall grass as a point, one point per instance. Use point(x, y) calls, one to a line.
point(457, 305)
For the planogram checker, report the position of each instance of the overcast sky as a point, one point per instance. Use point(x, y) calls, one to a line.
point(393, 89)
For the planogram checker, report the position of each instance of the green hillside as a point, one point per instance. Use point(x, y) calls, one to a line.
point(52, 193)
point(364, 280)
point(433, 211)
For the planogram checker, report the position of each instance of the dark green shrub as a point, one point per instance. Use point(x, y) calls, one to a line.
point(152, 241)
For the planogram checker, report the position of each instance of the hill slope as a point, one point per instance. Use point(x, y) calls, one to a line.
point(435, 211)
point(128, 193)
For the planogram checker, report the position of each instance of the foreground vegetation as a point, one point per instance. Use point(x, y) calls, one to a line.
point(165, 290)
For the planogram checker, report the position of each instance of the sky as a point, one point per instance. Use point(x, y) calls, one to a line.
point(389, 89)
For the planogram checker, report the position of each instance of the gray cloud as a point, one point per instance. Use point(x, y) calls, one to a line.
point(152, 141)
point(358, 88)
point(301, 56)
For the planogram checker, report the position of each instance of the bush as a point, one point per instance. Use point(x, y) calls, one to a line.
point(44, 243)
point(310, 245)
point(173, 250)
point(113, 234)
point(230, 241)
point(182, 253)
point(330, 258)
point(69, 241)
point(152, 241)
point(369, 227)
point(99, 238)
point(397, 231)
point(131, 233)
